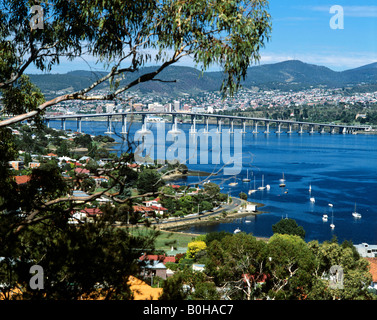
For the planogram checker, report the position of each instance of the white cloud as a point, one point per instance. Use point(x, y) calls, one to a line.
point(352, 11)
point(334, 61)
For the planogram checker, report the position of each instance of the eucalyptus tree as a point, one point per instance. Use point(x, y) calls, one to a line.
point(123, 37)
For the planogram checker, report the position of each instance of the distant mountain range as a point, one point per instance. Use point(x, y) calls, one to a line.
point(287, 75)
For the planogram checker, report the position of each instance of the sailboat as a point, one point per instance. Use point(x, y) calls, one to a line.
point(282, 181)
point(247, 177)
point(253, 190)
point(332, 225)
point(356, 214)
point(238, 230)
point(262, 187)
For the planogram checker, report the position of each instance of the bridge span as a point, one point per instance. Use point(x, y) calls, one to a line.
point(254, 123)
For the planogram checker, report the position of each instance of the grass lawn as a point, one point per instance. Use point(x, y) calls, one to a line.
point(165, 239)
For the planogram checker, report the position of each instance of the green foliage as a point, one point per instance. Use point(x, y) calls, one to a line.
point(149, 180)
point(288, 226)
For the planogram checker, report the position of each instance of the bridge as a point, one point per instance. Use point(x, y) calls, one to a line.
point(280, 125)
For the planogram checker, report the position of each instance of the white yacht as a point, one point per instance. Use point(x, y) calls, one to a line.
point(356, 214)
point(238, 230)
point(262, 187)
point(282, 181)
point(253, 190)
point(247, 177)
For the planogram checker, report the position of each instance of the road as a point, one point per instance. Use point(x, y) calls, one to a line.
point(225, 207)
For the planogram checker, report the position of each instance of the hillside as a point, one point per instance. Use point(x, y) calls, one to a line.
point(287, 75)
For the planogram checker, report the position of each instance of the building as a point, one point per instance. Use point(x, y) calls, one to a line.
point(21, 180)
point(110, 107)
point(17, 165)
point(176, 105)
point(153, 268)
point(366, 251)
point(373, 272)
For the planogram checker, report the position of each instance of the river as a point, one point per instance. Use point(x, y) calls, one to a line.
point(341, 169)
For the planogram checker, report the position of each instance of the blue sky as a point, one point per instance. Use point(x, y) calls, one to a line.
point(301, 30)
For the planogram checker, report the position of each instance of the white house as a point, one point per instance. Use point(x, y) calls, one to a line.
point(366, 250)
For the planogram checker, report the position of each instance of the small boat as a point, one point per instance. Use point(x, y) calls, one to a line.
point(332, 225)
point(232, 184)
point(310, 188)
point(325, 217)
point(282, 181)
point(268, 187)
point(356, 214)
point(247, 177)
point(253, 190)
point(247, 221)
point(312, 199)
point(331, 205)
point(238, 230)
point(262, 187)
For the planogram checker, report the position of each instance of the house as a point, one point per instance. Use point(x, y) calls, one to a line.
point(155, 206)
point(373, 272)
point(17, 165)
point(100, 179)
point(34, 165)
point(82, 171)
point(154, 202)
point(251, 207)
point(84, 215)
point(366, 250)
point(154, 268)
point(198, 267)
point(155, 257)
point(160, 210)
point(21, 180)
point(84, 159)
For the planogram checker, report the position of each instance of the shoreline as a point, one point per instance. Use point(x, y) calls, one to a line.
point(190, 173)
point(180, 225)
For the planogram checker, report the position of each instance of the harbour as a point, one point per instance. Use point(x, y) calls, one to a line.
point(341, 170)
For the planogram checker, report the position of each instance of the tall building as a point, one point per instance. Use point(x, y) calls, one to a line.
point(177, 105)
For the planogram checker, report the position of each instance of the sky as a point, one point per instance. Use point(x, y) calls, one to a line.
point(302, 30)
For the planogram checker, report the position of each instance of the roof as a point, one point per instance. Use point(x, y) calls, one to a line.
point(156, 257)
point(79, 194)
point(373, 268)
point(91, 211)
point(22, 179)
point(139, 208)
point(82, 170)
point(158, 208)
point(151, 264)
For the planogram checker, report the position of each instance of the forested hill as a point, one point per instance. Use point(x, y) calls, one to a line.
point(287, 75)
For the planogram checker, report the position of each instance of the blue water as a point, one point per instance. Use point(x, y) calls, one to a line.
point(342, 170)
